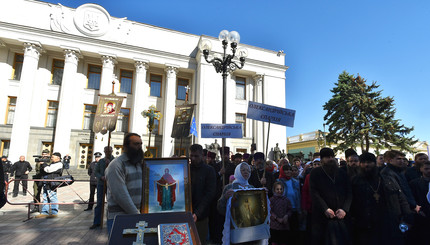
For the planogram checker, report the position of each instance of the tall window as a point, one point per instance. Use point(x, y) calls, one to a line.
point(241, 118)
point(155, 83)
point(126, 80)
point(4, 148)
point(122, 121)
point(182, 90)
point(51, 114)
point(11, 105)
point(240, 88)
point(94, 76)
point(89, 115)
point(17, 66)
point(57, 71)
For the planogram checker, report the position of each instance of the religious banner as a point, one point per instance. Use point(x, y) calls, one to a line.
point(247, 216)
point(167, 185)
point(266, 113)
point(182, 122)
point(107, 113)
point(221, 130)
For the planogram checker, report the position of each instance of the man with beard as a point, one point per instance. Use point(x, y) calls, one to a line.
point(378, 206)
point(420, 190)
point(331, 199)
point(395, 169)
point(352, 165)
point(216, 221)
point(414, 172)
point(259, 177)
point(99, 172)
point(124, 180)
point(203, 187)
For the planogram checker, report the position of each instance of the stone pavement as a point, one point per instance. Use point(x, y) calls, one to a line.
point(70, 227)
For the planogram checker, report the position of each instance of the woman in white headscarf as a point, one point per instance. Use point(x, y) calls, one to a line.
point(241, 175)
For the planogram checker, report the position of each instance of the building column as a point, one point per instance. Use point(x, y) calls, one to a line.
point(169, 111)
point(66, 101)
point(21, 123)
point(138, 123)
point(108, 61)
point(258, 131)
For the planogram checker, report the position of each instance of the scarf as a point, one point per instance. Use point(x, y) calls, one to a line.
point(238, 175)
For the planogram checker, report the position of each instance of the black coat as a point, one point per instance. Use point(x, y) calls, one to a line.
point(92, 173)
point(397, 175)
point(257, 175)
point(203, 188)
point(377, 222)
point(325, 194)
point(19, 168)
point(7, 166)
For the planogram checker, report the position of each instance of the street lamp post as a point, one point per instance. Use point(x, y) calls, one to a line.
point(224, 65)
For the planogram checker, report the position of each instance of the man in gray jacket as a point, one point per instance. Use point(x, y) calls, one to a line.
point(124, 180)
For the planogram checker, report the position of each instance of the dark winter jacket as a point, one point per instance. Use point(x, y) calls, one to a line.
point(19, 168)
point(396, 174)
point(203, 188)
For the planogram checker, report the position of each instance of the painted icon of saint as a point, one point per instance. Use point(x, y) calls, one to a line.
point(166, 188)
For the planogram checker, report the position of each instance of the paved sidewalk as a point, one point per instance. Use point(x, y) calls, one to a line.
point(70, 227)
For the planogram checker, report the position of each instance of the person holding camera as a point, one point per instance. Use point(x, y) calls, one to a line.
point(37, 185)
point(50, 198)
point(7, 165)
point(20, 169)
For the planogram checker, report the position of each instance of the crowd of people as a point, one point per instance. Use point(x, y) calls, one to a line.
point(364, 199)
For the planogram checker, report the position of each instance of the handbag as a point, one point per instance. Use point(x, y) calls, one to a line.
point(64, 180)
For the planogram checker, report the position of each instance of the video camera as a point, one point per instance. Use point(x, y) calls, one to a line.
point(39, 158)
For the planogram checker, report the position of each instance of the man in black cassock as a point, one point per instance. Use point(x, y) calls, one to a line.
point(378, 206)
point(331, 199)
point(420, 189)
point(216, 221)
point(260, 178)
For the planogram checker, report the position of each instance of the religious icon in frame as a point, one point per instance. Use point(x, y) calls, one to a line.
point(167, 185)
point(249, 216)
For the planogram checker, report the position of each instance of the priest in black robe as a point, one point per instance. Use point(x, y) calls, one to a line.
point(331, 199)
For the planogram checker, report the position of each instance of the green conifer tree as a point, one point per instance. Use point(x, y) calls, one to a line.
point(357, 115)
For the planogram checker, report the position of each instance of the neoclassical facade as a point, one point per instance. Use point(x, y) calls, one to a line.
point(55, 61)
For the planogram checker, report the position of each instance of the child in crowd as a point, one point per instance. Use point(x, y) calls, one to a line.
point(280, 211)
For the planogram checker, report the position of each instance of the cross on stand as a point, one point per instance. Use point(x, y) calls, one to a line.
point(152, 115)
point(140, 232)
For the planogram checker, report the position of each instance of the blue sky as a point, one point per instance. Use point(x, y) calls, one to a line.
point(383, 41)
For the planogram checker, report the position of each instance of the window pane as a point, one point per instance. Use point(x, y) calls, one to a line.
point(51, 118)
point(11, 110)
point(182, 91)
point(89, 115)
point(18, 69)
point(155, 89)
point(59, 63)
point(94, 80)
point(122, 122)
point(94, 69)
point(156, 125)
point(5, 147)
point(57, 76)
point(240, 88)
point(126, 85)
point(241, 118)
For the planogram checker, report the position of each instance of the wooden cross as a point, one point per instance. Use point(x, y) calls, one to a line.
point(140, 232)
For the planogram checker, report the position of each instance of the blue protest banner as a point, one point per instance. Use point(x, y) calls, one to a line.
point(277, 115)
point(221, 130)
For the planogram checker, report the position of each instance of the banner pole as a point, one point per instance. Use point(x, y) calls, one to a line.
point(267, 148)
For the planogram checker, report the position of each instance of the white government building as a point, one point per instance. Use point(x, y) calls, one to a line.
point(55, 61)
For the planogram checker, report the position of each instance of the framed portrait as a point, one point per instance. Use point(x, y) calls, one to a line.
point(167, 186)
point(249, 216)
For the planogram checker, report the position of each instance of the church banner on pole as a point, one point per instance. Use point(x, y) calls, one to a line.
point(182, 122)
point(107, 113)
point(272, 114)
